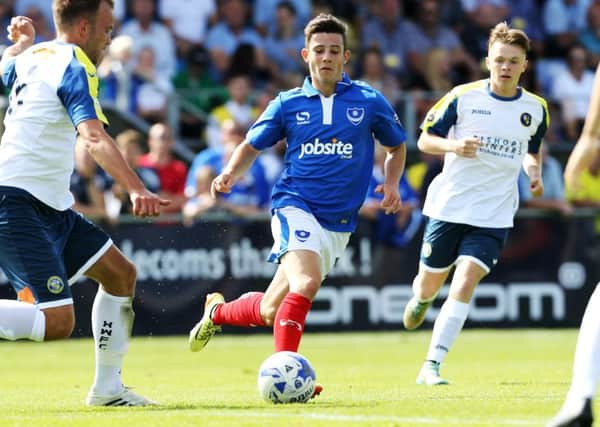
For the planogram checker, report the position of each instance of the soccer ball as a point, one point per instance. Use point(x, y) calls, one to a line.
point(286, 377)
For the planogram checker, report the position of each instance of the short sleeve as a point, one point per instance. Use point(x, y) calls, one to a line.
point(268, 129)
point(386, 125)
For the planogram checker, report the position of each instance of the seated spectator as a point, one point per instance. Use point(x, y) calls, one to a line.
point(386, 31)
point(587, 195)
point(130, 145)
point(572, 89)
point(198, 91)
point(172, 172)
point(283, 45)
point(226, 35)
point(590, 36)
point(372, 71)
point(427, 33)
point(188, 21)
point(421, 173)
point(151, 89)
point(145, 32)
point(115, 73)
point(249, 196)
point(265, 14)
point(554, 190)
point(239, 108)
point(88, 184)
point(43, 30)
point(481, 16)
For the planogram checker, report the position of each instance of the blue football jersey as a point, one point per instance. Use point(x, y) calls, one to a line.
point(330, 146)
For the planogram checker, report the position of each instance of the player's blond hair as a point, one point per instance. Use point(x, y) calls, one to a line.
point(504, 34)
point(325, 23)
point(67, 12)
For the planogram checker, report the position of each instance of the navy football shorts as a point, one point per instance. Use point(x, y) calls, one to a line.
point(446, 243)
point(43, 250)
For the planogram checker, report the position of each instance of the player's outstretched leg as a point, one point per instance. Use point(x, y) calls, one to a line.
point(572, 416)
point(205, 328)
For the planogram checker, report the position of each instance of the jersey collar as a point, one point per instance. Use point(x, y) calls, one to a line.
point(504, 98)
point(340, 86)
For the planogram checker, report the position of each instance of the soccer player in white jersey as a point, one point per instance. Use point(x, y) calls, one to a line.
point(329, 124)
point(577, 408)
point(487, 130)
point(46, 246)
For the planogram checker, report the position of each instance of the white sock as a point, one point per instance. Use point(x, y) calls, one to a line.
point(112, 319)
point(586, 366)
point(446, 328)
point(20, 320)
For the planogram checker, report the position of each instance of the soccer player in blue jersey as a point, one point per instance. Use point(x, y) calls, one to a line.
point(329, 124)
point(46, 246)
point(577, 408)
point(487, 130)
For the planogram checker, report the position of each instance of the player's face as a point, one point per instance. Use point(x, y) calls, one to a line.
point(506, 64)
point(325, 56)
point(100, 34)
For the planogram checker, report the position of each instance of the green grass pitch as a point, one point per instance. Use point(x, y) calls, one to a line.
point(498, 378)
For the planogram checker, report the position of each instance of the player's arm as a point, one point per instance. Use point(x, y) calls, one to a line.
point(393, 168)
point(22, 33)
point(532, 165)
point(588, 144)
point(104, 151)
point(239, 163)
point(433, 144)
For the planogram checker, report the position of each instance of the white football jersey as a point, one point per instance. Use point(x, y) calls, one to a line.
point(482, 191)
point(54, 88)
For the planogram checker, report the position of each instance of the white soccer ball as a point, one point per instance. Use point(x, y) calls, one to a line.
point(286, 377)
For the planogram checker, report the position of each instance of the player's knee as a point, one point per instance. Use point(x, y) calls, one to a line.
point(425, 285)
point(307, 286)
point(60, 322)
point(267, 313)
point(127, 275)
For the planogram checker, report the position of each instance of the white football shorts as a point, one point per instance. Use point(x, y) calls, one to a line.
point(295, 229)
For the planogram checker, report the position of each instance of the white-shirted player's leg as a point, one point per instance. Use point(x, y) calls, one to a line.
point(20, 320)
point(586, 366)
point(112, 319)
point(446, 328)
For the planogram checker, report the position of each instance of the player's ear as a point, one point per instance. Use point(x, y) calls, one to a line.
point(346, 56)
point(304, 53)
point(487, 63)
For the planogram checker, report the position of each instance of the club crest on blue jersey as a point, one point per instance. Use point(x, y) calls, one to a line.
point(302, 235)
point(355, 115)
point(55, 284)
point(302, 117)
point(526, 119)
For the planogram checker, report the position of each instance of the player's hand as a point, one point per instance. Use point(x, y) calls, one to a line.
point(221, 184)
point(21, 30)
point(146, 203)
point(536, 185)
point(466, 147)
point(391, 202)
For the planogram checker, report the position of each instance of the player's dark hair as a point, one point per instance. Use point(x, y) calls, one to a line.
point(324, 23)
point(504, 34)
point(66, 12)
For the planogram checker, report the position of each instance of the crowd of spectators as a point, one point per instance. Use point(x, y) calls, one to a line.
point(219, 62)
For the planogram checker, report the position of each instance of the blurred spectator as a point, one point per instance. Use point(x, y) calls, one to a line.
point(587, 194)
point(283, 46)
point(198, 92)
point(481, 17)
point(428, 33)
point(6, 13)
point(525, 15)
point(151, 89)
point(88, 184)
point(172, 172)
point(421, 173)
point(239, 108)
point(571, 89)
point(563, 20)
point(265, 15)
point(590, 36)
point(43, 30)
point(130, 144)
point(386, 31)
point(145, 31)
point(554, 190)
point(115, 73)
point(22, 6)
point(188, 20)
point(372, 71)
point(232, 30)
point(249, 196)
